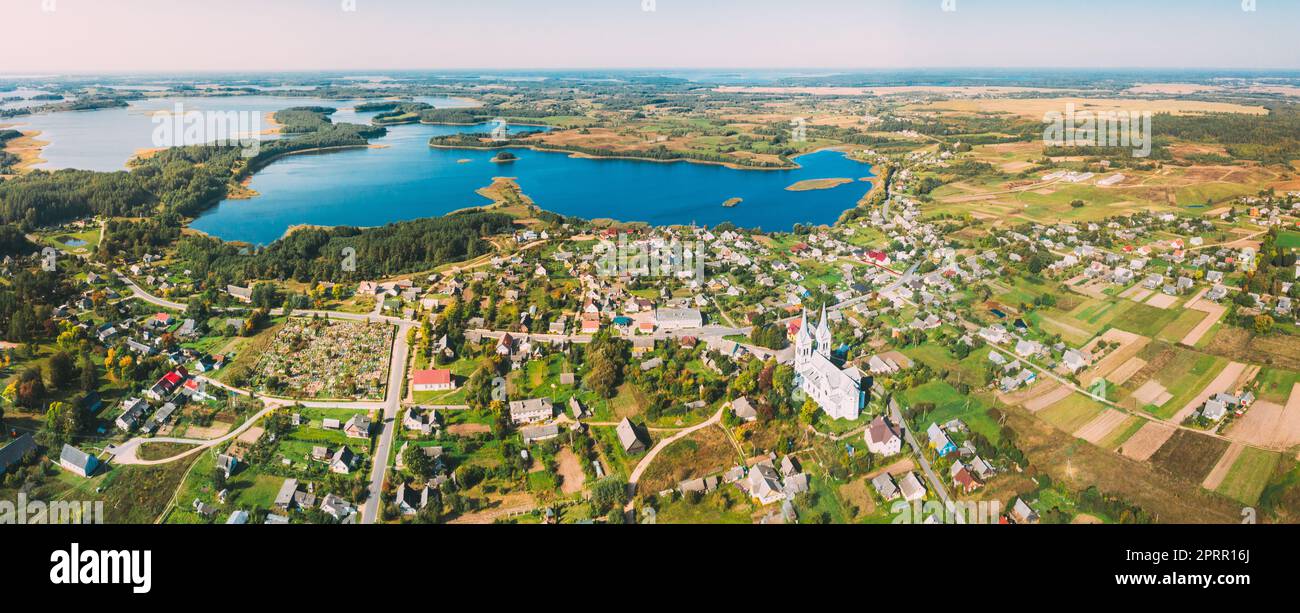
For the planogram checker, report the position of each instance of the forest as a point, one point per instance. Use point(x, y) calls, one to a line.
point(318, 254)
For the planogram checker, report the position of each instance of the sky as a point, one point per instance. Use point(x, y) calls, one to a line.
point(81, 36)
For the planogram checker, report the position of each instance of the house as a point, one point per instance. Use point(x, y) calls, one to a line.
point(531, 411)
point(678, 319)
point(77, 461)
point(433, 452)
point(1074, 360)
point(543, 432)
point(885, 486)
point(357, 427)
point(242, 294)
point(16, 451)
point(795, 484)
point(743, 409)
point(160, 418)
point(703, 485)
point(132, 413)
point(342, 460)
point(227, 464)
point(1021, 513)
point(417, 419)
point(238, 517)
point(911, 488)
point(1026, 349)
point(409, 500)
point(981, 469)
point(939, 441)
point(764, 483)
point(169, 383)
point(575, 407)
point(284, 500)
point(630, 437)
point(1214, 410)
point(433, 380)
point(195, 388)
point(881, 438)
point(962, 478)
point(336, 507)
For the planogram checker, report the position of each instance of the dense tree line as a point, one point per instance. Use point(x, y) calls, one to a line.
point(317, 254)
point(1272, 138)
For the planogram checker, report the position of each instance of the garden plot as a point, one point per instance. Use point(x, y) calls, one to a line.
point(1146, 441)
point(1269, 424)
point(1050, 397)
point(1214, 312)
point(1225, 381)
point(1162, 301)
point(1100, 426)
point(1130, 345)
point(320, 358)
point(1220, 470)
point(1121, 375)
point(1152, 393)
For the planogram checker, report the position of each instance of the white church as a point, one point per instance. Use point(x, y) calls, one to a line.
point(839, 392)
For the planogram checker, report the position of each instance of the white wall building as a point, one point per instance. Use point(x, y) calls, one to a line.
point(837, 391)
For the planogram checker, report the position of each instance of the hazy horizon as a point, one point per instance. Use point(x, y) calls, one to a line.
point(161, 36)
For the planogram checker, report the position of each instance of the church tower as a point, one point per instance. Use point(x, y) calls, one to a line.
point(803, 340)
point(824, 335)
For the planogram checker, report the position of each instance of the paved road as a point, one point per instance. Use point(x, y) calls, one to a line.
point(146, 296)
point(374, 316)
point(388, 424)
point(936, 484)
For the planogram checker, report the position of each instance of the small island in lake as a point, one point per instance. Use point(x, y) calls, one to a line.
point(811, 184)
point(503, 157)
point(732, 202)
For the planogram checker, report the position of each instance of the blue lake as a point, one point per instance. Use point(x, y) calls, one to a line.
point(402, 178)
point(406, 179)
point(105, 139)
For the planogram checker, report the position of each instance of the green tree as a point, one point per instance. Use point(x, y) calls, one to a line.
point(60, 369)
point(1263, 324)
point(89, 374)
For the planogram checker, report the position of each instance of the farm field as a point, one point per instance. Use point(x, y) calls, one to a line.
point(1249, 475)
point(1189, 456)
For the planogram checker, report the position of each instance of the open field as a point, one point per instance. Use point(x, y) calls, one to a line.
point(702, 453)
point(1121, 433)
point(1213, 313)
point(1220, 470)
point(1072, 413)
point(569, 467)
point(1147, 440)
point(1189, 455)
point(1249, 475)
point(1082, 465)
point(1036, 108)
point(1130, 367)
point(1048, 394)
point(1100, 426)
